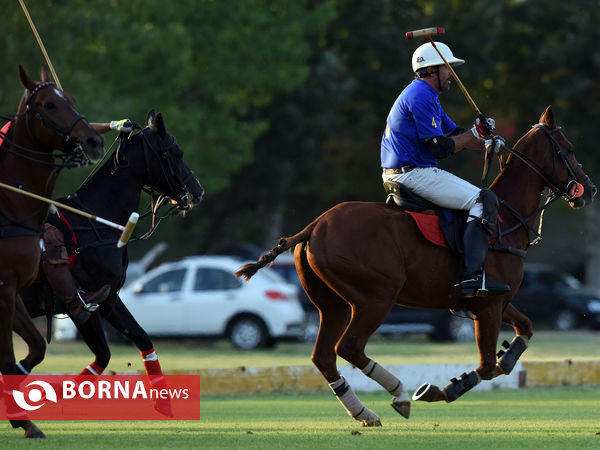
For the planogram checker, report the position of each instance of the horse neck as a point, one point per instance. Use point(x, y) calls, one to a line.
point(33, 175)
point(520, 188)
point(114, 196)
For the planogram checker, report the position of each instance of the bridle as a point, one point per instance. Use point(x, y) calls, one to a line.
point(574, 187)
point(75, 156)
point(570, 190)
point(164, 155)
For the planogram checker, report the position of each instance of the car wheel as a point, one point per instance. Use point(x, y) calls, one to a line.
point(565, 320)
point(457, 328)
point(247, 333)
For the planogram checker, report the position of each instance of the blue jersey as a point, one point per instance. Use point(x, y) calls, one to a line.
point(415, 115)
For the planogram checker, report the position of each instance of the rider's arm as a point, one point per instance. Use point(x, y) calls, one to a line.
point(100, 127)
point(444, 146)
point(466, 139)
point(122, 126)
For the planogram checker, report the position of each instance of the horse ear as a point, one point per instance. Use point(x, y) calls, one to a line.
point(548, 117)
point(151, 119)
point(44, 73)
point(160, 125)
point(26, 79)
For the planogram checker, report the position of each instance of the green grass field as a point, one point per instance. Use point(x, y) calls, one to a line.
point(558, 418)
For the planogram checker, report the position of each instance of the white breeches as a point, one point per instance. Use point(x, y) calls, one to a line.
point(441, 188)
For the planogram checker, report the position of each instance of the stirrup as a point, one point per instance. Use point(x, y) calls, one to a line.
point(91, 307)
point(482, 292)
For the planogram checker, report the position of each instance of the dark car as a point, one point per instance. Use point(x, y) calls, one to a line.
point(439, 324)
point(556, 300)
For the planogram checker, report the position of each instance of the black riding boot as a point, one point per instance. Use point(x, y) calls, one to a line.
point(476, 248)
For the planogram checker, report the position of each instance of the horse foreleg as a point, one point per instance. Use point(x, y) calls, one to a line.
point(507, 359)
point(487, 328)
point(17, 416)
point(24, 327)
point(123, 321)
point(92, 333)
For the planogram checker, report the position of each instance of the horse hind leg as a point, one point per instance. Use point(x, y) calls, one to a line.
point(365, 321)
point(333, 314)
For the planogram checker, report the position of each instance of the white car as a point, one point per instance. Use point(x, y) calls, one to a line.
point(200, 296)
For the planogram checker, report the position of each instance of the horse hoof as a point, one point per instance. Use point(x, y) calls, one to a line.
point(429, 393)
point(33, 432)
point(369, 419)
point(371, 423)
point(402, 408)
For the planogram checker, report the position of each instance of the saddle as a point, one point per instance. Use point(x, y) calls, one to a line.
point(440, 226)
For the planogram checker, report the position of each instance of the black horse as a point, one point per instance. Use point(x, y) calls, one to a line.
point(152, 159)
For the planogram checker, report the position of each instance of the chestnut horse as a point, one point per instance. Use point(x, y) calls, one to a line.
point(357, 260)
point(47, 119)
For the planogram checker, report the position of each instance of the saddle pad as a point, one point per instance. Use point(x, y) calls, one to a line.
point(429, 227)
point(4, 132)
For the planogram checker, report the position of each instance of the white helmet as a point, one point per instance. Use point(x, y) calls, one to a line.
point(427, 56)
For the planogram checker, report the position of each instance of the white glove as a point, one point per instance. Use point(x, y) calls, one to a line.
point(497, 142)
point(122, 126)
point(482, 130)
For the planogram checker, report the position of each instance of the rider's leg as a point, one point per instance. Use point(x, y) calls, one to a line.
point(476, 240)
point(55, 264)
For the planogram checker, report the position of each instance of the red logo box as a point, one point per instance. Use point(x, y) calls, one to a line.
point(105, 397)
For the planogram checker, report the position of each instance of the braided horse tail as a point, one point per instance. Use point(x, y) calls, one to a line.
point(284, 244)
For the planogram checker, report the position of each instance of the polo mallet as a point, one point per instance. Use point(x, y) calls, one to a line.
point(427, 33)
point(126, 230)
point(40, 43)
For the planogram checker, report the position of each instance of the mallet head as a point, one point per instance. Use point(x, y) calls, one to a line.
point(425, 32)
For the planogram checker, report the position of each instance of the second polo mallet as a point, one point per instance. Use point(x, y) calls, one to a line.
point(427, 33)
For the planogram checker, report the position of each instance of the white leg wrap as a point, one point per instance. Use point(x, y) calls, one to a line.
point(352, 403)
point(386, 379)
point(525, 339)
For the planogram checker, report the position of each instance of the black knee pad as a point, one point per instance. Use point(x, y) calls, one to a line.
point(489, 202)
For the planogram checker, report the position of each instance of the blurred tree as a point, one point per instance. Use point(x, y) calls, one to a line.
point(205, 65)
point(280, 105)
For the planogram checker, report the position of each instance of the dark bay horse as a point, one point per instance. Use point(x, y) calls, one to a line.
point(47, 119)
point(152, 159)
point(357, 260)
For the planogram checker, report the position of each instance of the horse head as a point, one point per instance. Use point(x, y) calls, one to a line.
point(557, 168)
point(53, 121)
point(169, 173)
